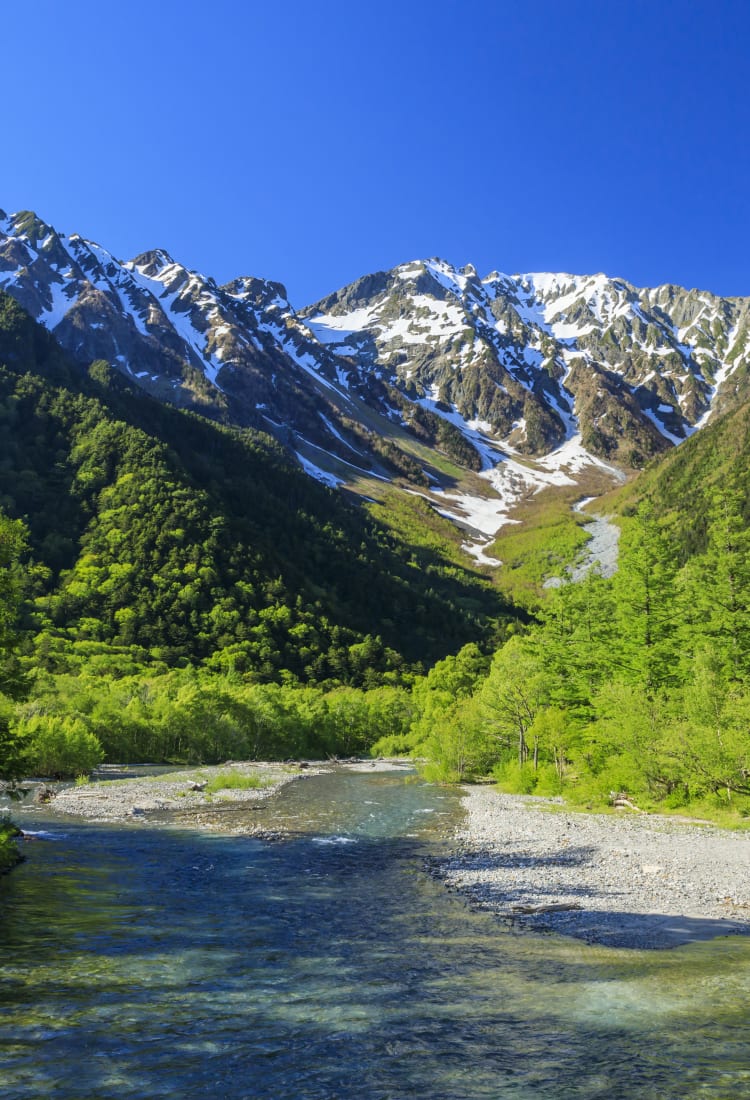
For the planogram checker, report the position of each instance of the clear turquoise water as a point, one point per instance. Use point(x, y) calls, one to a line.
point(144, 963)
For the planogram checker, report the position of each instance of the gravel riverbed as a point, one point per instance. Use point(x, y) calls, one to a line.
point(181, 797)
point(147, 799)
point(624, 879)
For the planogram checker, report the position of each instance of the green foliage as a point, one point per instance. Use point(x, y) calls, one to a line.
point(198, 716)
point(438, 696)
point(685, 484)
point(13, 748)
point(12, 684)
point(647, 611)
point(172, 590)
point(640, 685)
point(12, 545)
point(636, 686)
point(545, 544)
point(156, 529)
point(512, 696)
point(234, 781)
point(59, 746)
point(515, 778)
point(456, 748)
point(9, 853)
point(394, 745)
point(193, 596)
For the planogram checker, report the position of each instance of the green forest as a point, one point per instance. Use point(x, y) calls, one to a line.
point(175, 590)
point(635, 688)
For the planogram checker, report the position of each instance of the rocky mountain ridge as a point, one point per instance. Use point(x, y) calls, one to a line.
point(537, 356)
point(523, 380)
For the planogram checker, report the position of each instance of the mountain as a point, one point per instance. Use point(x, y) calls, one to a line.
point(530, 359)
point(684, 485)
point(475, 392)
point(192, 589)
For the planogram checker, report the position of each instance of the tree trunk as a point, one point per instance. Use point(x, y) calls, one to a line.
point(523, 748)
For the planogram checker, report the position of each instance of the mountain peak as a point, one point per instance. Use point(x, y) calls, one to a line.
point(153, 262)
point(26, 224)
point(479, 368)
point(258, 292)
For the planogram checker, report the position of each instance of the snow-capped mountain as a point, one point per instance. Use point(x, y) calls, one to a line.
point(535, 358)
point(235, 351)
point(522, 379)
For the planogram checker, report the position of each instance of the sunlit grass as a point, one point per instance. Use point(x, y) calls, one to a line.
point(234, 780)
point(547, 539)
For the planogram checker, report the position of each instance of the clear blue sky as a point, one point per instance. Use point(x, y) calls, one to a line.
point(315, 142)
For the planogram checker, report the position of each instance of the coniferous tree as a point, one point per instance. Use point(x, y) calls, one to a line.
point(716, 588)
point(645, 646)
point(12, 744)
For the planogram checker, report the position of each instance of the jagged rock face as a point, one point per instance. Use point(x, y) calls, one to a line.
point(221, 350)
point(437, 335)
point(527, 361)
point(524, 354)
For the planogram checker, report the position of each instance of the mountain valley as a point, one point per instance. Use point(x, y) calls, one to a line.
point(475, 393)
point(231, 529)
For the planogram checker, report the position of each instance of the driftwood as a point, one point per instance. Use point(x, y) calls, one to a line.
point(557, 907)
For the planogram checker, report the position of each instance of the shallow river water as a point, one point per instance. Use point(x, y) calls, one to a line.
point(144, 962)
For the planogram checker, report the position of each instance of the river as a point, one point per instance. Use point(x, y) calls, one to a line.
point(148, 962)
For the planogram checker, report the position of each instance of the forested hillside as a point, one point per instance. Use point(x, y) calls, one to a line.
point(159, 543)
point(685, 483)
point(635, 688)
point(156, 528)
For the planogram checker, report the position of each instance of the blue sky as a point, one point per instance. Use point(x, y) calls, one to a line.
point(313, 143)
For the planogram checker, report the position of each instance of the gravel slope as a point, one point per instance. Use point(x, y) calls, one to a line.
point(630, 880)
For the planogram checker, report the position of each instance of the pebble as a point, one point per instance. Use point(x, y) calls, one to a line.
point(627, 874)
point(184, 791)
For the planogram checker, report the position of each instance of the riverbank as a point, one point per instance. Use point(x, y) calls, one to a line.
point(188, 793)
point(192, 792)
point(625, 879)
point(10, 854)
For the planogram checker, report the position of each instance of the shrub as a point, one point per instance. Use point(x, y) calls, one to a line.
point(515, 778)
point(234, 781)
point(60, 746)
point(9, 853)
point(439, 771)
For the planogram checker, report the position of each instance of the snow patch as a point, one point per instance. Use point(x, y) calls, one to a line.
point(476, 550)
point(315, 471)
point(61, 303)
point(573, 457)
point(661, 428)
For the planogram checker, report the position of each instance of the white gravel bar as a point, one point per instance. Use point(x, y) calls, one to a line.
point(151, 799)
point(625, 879)
point(140, 798)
